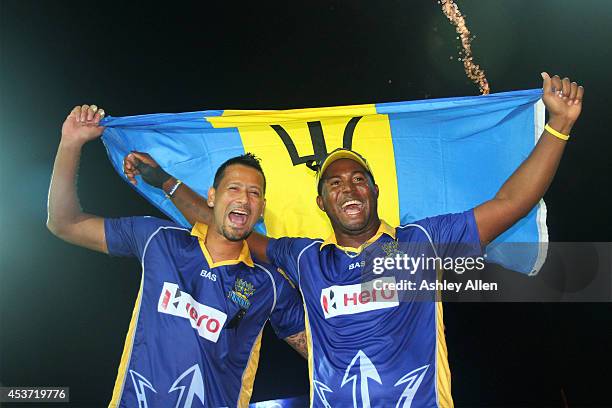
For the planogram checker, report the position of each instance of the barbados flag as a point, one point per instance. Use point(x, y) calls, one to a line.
point(428, 157)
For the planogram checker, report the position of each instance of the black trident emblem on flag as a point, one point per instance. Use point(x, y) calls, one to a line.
point(318, 142)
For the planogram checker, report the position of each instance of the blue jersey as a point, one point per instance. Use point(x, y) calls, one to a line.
point(368, 347)
point(195, 333)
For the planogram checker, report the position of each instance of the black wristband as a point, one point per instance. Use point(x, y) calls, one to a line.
point(154, 176)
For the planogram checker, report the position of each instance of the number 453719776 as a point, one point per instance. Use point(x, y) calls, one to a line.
point(34, 394)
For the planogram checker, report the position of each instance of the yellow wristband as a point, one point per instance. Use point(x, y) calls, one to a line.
point(555, 133)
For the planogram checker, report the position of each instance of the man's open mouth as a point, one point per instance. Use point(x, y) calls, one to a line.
point(352, 207)
point(238, 217)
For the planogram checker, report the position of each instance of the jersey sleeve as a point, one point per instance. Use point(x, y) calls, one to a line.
point(284, 252)
point(454, 235)
point(128, 236)
point(287, 318)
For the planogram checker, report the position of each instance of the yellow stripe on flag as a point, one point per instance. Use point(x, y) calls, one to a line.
point(291, 208)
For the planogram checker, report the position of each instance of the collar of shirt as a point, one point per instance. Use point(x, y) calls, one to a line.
point(200, 230)
point(383, 229)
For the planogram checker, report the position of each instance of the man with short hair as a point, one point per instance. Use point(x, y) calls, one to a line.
point(367, 346)
point(195, 334)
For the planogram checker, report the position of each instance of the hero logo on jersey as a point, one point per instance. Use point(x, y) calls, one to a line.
point(357, 298)
point(205, 319)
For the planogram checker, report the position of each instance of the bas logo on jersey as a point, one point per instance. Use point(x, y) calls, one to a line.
point(361, 297)
point(208, 275)
point(205, 319)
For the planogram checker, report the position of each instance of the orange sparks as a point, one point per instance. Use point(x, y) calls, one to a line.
point(472, 70)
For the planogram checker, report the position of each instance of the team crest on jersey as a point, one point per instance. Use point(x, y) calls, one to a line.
point(391, 249)
point(241, 293)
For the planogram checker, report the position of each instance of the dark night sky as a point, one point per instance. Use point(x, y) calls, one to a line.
point(64, 311)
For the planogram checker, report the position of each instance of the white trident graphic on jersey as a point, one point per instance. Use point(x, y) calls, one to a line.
point(361, 369)
point(413, 379)
point(321, 389)
point(195, 387)
point(140, 383)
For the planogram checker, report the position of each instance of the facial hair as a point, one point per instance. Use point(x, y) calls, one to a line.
point(234, 237)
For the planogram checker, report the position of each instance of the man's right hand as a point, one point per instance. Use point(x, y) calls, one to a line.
point(66, 219)
point(82, 124)
point(137, 163)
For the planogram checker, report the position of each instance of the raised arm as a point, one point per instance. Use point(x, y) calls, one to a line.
point(527, 185)
point(65, 219)
point(194, 207)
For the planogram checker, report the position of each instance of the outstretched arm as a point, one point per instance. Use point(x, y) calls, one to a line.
point(193, 206)
point(527, 185)
point(65, 218)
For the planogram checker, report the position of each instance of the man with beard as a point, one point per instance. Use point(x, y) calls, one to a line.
point(195, 334)
point(368, 347)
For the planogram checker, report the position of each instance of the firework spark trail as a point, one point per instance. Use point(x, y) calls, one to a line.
point(472, 70)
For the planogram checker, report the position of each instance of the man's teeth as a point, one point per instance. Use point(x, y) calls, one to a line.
point(238, 217)
point(351, 202)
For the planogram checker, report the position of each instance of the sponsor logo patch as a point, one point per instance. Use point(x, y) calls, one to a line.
point(361, 297)
point(206, 320)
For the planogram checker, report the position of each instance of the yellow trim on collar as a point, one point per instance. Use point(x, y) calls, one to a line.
point(200, 230)
point(383, 229)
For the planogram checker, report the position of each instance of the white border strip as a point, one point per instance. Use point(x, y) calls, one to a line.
point(425, 232)
point(298, 261)
point(542, 243)
point(273, 285)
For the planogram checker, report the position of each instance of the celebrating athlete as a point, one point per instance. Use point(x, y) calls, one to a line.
point(195, 334)
point(368, 347)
